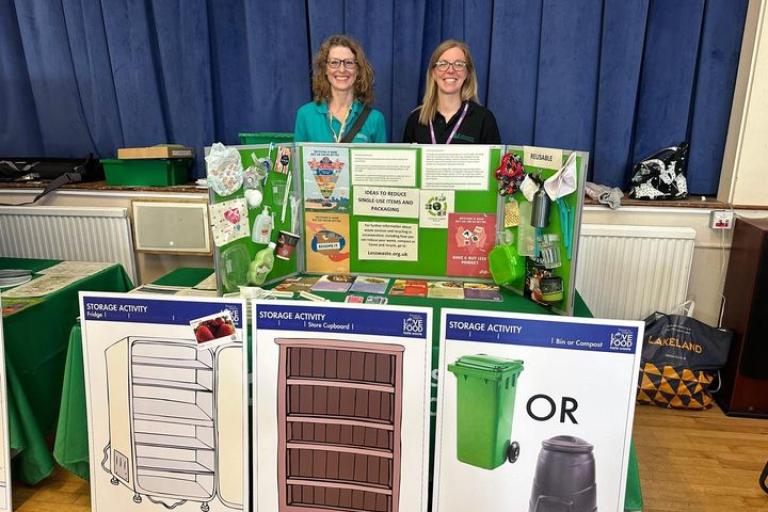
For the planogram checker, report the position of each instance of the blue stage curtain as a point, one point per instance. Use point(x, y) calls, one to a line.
point(618, 79)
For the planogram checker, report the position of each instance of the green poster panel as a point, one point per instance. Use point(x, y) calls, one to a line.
point(562, 225)
point(269, 169)
point(432, 246)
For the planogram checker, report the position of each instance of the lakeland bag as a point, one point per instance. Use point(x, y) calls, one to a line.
point(679, 360)
point(661, 175)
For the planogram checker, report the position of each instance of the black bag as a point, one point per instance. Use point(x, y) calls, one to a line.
point(679, 360)
point(661, 175)
point(21, 169)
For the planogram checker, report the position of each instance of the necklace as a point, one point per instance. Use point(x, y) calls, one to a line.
point(338, 136)
point(455, 128)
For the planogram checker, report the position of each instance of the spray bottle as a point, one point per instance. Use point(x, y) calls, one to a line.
point(261, 265)
point(262, 227)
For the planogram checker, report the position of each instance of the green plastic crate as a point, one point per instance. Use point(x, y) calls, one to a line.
point(147, 173)
point(265, 137)
point(485, 404)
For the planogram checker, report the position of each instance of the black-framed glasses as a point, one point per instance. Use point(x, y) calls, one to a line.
point(458, 65)
point(347, 63)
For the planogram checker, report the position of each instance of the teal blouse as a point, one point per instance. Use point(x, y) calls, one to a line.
point(312, 124)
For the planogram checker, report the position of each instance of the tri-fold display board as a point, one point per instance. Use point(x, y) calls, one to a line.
point(472, 212)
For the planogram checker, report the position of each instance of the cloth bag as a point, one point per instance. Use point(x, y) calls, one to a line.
point(680, 358)
point(661, 175)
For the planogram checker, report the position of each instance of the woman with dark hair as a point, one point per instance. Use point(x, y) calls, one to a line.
point(342, 84)
point(450, 112)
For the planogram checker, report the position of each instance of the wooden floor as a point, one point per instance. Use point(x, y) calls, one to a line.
point(700, 461)
point(689, 461)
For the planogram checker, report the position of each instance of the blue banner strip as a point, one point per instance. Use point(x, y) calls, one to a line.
point(541, 333)
point(376, 322)
point(150, 311)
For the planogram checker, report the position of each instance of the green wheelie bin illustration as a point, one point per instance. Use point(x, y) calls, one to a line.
point(485, 404)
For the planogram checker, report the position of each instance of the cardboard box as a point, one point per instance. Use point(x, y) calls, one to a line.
point(159, 151)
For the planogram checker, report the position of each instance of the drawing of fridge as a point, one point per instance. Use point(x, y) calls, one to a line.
point(176, 421)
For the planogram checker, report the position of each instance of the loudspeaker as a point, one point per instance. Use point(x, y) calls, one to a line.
point(176, 228)
point(744, 389)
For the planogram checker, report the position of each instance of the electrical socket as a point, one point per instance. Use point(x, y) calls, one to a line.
point(721, 219)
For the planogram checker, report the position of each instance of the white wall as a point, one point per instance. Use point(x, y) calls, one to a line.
point(743, 176)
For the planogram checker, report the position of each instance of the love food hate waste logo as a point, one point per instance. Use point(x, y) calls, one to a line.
point(413, 325)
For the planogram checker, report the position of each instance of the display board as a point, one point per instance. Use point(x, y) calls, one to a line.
point(251, 190)
point(5, 446)
point(341, 407)
point(538, 248)
point(534, 412)
point(166, 394)
point(399, 209)
point(473, 212)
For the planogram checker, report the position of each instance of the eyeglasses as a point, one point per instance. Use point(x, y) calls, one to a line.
point(458, 65)
point(347, 63)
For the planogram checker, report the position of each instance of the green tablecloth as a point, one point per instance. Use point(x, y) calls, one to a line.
point(36, 341)
point(71, 449)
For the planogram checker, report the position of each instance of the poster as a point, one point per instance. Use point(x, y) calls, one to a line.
point(229, 221)
point(471, 237)
point(165, 382)
point(455, 167)
point(342, 394)
point(435, 205)
point(387, 241)
point(326, 178)
point(556, 395)
point(384, 167)
point(387, 202)
point(5, 445)
point(327, 242)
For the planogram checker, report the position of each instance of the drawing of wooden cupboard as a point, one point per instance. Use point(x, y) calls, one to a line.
point(176, 421)
point(339, 410)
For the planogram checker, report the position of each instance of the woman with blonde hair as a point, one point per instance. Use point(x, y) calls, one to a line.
point(450, 112)
point(342, 84)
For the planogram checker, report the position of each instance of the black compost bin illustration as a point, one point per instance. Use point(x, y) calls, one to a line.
point(565, 477)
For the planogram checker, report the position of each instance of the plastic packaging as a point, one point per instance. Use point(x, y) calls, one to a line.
point(261, 265)
point(526, 234)
point(262, 227)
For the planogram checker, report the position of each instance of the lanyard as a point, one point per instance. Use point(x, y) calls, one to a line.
point(337, 137)
point(455, 127)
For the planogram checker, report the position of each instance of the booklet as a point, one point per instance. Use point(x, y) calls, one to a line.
point(409, 288)
point(333, 283)
point(482, 291)
point(445, 290)
point(365, 284)
point(297, 284)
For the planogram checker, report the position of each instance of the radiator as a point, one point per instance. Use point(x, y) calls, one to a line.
point(628, 272)
point(68, 233)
